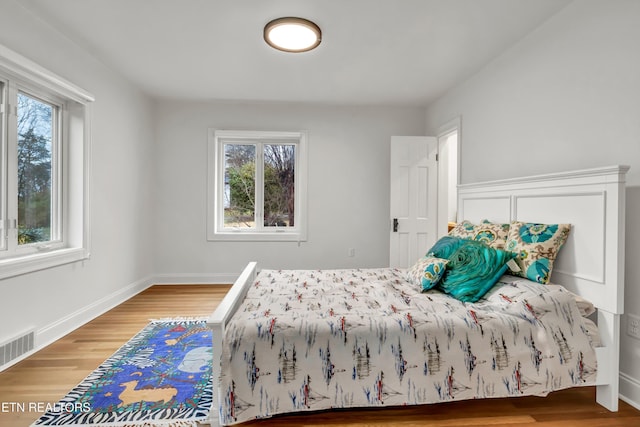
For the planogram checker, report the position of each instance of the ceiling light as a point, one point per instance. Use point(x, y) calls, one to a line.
point(292, 34)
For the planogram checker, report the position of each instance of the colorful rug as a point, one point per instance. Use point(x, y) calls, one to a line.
point(161, 377)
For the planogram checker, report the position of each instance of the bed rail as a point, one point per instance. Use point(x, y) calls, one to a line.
point(217, 323)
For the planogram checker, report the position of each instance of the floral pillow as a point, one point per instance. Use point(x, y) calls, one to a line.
point(427, 272)
point(492, 234)
point(464, 230)
point(537, 246)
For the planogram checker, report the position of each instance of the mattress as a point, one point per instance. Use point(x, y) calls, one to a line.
point(307, 340)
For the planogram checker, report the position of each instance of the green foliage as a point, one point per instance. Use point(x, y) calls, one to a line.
point(242, 192)
point(278, 185)
point(34, 170)
point(33, 235)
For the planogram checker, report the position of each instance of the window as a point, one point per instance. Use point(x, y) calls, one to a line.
point(257, 185)
point(43, 168)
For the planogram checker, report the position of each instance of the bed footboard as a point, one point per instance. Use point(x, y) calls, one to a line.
point(217, 323)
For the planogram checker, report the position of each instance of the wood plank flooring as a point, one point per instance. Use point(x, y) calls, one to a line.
point(49, 374)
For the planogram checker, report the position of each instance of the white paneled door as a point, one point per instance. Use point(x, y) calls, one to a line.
point(414, 187)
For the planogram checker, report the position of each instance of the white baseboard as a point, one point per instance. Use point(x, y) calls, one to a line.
point(63, 326)
point(195, 279)
point(69, 323)
point(630, 390)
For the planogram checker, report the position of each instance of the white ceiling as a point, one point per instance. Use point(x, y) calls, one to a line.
point(378, 52)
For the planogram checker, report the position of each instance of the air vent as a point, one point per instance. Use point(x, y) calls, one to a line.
point(16, 347)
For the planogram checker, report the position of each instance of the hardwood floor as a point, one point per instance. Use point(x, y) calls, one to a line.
point(49, 374)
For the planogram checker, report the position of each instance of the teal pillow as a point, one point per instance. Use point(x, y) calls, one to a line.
point(445, 247)
point(473, 269)
point(426, 272)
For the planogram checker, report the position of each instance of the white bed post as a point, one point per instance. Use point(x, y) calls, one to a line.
point(217, 323)
point(609, 322)
point(609, 360)
point(217, 332)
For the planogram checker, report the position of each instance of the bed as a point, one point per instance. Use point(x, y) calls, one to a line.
point(369, 337)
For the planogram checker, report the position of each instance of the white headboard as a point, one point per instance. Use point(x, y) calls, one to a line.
point(591, 263)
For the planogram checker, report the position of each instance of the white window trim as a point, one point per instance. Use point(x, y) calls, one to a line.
point(215, 187)
point(76, 174)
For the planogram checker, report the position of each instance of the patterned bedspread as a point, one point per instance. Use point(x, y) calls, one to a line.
point(309, 340)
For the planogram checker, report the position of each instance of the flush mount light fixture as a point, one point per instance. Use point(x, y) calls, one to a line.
point(292, 34)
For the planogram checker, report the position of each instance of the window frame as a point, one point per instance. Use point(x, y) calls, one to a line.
point(216, 230)
point(19, 74)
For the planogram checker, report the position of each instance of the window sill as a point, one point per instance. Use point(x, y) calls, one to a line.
point(240, 236)
point(10, 267)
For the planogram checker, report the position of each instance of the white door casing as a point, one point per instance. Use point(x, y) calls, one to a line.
point(413, 198)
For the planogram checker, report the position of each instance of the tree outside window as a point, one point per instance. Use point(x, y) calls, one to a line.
point(278, 180)
point(35, 134)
